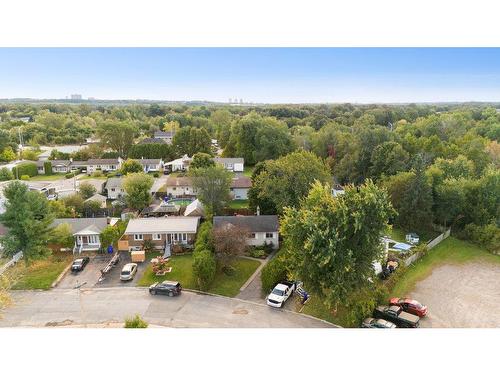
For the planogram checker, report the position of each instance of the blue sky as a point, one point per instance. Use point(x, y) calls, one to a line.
point(269, 75)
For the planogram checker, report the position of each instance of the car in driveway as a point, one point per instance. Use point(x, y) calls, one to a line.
point(410, 306)
point(79, 264)
point(169, 288)
point(396, 315)
point(281, 292)
point(377, 323)
point(128, 271)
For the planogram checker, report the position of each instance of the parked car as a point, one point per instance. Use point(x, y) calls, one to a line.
point(410, 306)
point(377, 323)
point(170, 288)
point(128, 271)
point(79, 264)
point(281, 293)
point(396, 315)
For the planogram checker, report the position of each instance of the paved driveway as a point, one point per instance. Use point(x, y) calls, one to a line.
point(105, 306)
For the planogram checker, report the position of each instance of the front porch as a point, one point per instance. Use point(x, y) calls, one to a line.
point(87, 242)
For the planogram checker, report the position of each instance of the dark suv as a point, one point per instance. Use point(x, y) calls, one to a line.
point(79, 264)
point(170, 288)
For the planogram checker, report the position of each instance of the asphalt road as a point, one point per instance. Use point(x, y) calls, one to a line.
point(108, 306)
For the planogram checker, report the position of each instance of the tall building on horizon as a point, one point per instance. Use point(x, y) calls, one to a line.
point(76, 97)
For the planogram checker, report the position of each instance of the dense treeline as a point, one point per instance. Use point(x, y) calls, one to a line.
point(439, 163)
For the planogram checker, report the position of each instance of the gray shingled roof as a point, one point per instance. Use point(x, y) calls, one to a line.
point(228, 160)
point(114, 182)
point(79, 224)
point(260, 223)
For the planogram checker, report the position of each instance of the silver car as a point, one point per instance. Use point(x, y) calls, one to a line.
point(128, 271)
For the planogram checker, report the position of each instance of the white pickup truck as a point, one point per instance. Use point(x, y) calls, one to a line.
point(280, 293)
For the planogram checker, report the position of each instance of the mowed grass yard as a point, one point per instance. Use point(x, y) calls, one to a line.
point(40, 274)
point(182, 271)
point(450, 251)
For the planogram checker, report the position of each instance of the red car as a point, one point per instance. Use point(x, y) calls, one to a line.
point(409, 305)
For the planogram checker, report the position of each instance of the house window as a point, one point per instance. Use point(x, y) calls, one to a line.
point(157, 236)
point(184, 236)
point(176, 238)
point(112, 189)
point(269, 235)
point(137, 237)
point(252, 235)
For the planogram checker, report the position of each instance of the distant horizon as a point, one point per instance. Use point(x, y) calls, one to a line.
point(254, 75)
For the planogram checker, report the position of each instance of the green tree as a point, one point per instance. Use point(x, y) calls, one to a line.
point(8, 155)
point(272, 140)
point(204, 268)
point(28, 218)
point(415, 210)
point(131, 166)
point(202, 160)
point(91, 208)
point(62, 235)
point(117, 135)
point(189, 140)
point(331, 243)
point(388, 158)
point(110, 236)
point(74, 203)
point(137, 187)
point(284, 181)
point(135, 322)
point(212, 185)
point(6, 174)
point(86, 190)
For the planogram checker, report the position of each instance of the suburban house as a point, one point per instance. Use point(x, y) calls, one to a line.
point(86, 231)
point(179, 187)
point(114, 187)
point(150, 165)
point(263, 228)
point(58, 166)
point(105, 165)
point(240, 186)
point(181, 164)
point(165, 136)
point(101, 199)
point(231, 164)
point(163, 232)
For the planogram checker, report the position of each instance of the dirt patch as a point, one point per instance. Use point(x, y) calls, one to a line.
point(461, 296)
point(240, 311)
point(66, 322)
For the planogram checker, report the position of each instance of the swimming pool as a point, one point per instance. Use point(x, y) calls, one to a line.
point(180, 201)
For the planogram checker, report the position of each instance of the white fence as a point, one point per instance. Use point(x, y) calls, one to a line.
point(429, 246)
point(15, 258)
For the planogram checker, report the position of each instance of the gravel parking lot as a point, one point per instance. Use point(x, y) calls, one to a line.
point(461, 296)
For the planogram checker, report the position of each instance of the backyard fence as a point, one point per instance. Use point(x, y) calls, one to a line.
point(15, 258)
point(429, 246)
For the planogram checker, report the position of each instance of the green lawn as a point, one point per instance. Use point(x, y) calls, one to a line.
point(399, 234)
point(40, 274)
point(248, 170)
point(450, 251)
point(238, 203)
point(44, 177)
point(182, 271)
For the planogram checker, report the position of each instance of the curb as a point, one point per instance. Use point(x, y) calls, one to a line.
point(59, 278)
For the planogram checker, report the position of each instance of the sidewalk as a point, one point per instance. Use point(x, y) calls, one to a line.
point(252, 289)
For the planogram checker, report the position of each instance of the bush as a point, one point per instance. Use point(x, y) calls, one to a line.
point(47, 167)
point(204, 268)
point(29, 169)
point(135, 322)
point(25, 177)
point(156, 175)
point(487, 236)
point(272, 273)
point(98, 173)
point(148, 245)
point(362, 303)
point(70, 175)
point(86, 190)
point(204, 239)
point(257, 252)
point(6, 174)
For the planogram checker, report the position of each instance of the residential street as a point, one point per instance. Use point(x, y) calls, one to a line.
point(65, 307)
